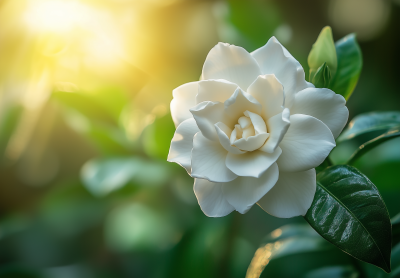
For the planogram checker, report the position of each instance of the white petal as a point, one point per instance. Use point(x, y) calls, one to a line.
point(223, 130)
point(241, 102)
point(208, 160)
point(182, 144)
point(184, 99)
point(277, 127)
point(211, 198)
point(244, 192)
point(231, 63)
point(215, 90)
point(273, 58)
point(292, 195)
point(268, 91)
point(251, 143)
point(251, 164)
point(305, 145)
point(207, 114)
point(324, 105)
point(258, 122)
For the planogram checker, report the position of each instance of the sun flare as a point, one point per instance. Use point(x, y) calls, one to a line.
point(55, 15)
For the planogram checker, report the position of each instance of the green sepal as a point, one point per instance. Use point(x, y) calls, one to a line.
point(322, 77)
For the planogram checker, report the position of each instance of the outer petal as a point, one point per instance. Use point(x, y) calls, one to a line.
point(207, 114)
point(211, 198)
point(223, 131)
point(208, 160)
point(182, 144)
point(244, 192)
point(241, 102)
point(184, 99)
point(277, 128)
point(231, 63)
point(291, 196)
point(273, 58)
point(215, 90)
point(306, 144)
point(251, 164)
point(268, 91)
point(324, 105)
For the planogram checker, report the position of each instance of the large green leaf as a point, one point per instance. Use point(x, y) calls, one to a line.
point(391, 134)
point(349, 66)
point(349, 212)
point(375, 122)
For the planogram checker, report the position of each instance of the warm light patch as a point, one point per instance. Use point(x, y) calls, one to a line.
point(55, 15)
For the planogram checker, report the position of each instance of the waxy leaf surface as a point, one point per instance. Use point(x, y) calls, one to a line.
point(364, 148)
point(377, 122)
point(349, 65)
point(349, 212)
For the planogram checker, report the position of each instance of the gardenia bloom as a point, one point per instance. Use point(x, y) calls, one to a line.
point(252, 130)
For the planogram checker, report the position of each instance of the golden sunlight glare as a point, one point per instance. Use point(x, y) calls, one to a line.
point(55, 15)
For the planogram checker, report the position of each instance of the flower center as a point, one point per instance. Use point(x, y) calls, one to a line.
point(250, 133)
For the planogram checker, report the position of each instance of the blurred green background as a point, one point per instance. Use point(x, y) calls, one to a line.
point(85, 128)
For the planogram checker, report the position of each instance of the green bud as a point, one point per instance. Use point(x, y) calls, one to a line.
point(323, 50)
point(322, 77)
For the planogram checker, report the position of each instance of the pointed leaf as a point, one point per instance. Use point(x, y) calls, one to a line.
point(323, 51)
point(349, 66)
point(349, 212)
point(391, 134)
point(377, 122)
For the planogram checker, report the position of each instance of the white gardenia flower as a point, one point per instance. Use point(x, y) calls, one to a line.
point(253, 130)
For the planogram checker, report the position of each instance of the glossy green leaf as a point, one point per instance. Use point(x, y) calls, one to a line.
point(375, 122)
point(396, 230)
point(391, 134)
point(340, 271)
point(322, 77)
point(349, 66)
point(323, 51)
point(103, 176)
point(349, 212)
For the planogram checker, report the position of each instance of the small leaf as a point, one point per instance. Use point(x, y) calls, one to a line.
point(349, 212)
point(349, 66)
point(376, 122)
point(322, 77)
point(391, 134)
point(323, 51)
point(396, 229)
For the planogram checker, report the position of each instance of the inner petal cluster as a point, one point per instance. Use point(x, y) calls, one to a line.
point(250, 133)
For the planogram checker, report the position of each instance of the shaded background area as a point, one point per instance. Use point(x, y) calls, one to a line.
point(85, 128)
